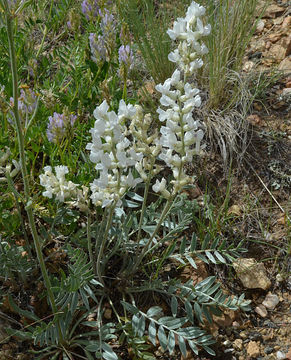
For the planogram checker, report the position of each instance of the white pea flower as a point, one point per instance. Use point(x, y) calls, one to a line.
point(57, 184)
point(160, 187)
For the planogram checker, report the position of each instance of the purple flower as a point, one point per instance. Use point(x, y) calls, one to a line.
point(103, 45)
point(125, 56)
point(90, 9)
point(98, 48)
point(59, 126)
point(27, 102)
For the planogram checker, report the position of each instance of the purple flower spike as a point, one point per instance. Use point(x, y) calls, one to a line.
point(59, 126)
point(125, 56)
point(27, 102)
point(90, 9)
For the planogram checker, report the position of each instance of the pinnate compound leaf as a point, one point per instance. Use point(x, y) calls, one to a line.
point(162, 338)
point(152, 332)
point(220, 257)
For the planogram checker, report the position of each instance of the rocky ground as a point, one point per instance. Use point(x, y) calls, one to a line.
point(265, 332)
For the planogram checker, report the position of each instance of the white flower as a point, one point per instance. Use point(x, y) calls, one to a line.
point(57, 185)
point(194, 10)
point(179, 29)
point(125, 111)
point(160, 186)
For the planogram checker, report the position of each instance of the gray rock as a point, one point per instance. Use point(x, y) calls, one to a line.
point(268, 350)
point(252, 274)
point(280, 355)
point(261, 310)
point(271, 301)
point(227, 343)
point(254, 335)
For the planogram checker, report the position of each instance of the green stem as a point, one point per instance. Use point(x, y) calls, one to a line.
point(149, 243)
point(17, 198)
point(146, 191)
point(101, 249)
point(89, 238)
point(20, 137)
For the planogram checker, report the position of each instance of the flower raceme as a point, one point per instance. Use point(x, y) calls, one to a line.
point(181, 135)
point(189, 31)
point(125, 143)
point(113, 153)
point(59, 126)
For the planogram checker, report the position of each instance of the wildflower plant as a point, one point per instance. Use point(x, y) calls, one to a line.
point(128, 152)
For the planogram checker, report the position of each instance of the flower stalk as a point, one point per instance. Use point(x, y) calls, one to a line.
point(25, 177)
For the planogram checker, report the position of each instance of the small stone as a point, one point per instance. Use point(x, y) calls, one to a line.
point(248, 66)
point(287, 22)
point(270, 324)
point(288, 355)
point(286, 43)
point(251, 274)
point(238, 344)
point(243, 335)
point(268, 45)
point(255, 336)
point(260, 25)
point(253, 349)
point(254, 119)
point(286, 92)
point(271, 301)
point(273, 11)
point(274, 37)
point(279, 278)
point(108, 314)
point(268, 350)
point(285, 65)
point(235, 324)
point(280, 355)
point(226, 343)
point(277, 52)
point(261, 310)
